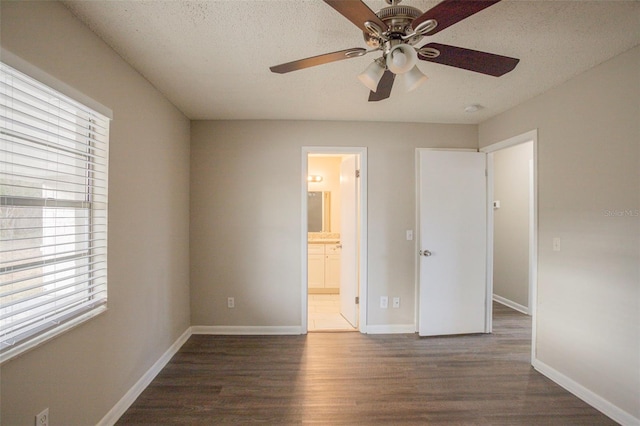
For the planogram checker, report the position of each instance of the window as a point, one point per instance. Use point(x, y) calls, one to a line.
point(53, 212)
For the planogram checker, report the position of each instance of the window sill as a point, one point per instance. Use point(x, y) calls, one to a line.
point(22, 348)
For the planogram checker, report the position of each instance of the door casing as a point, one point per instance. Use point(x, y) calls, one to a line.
point(530, 136)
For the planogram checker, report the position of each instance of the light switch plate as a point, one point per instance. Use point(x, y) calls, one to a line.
point(384, 302)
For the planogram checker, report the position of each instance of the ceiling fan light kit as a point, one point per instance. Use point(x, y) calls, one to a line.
point(413, 79)
point(403, 58)
point(371, 76)
point(394, 30)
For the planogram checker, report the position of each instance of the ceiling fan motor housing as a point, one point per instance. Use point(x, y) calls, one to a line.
point(398, 19)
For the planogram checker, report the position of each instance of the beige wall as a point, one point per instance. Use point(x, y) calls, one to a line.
point(588, 305)
point(82, 374)
point(511, 223)
point(246, 181)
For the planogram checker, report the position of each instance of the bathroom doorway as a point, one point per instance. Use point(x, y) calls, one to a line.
point(334, 232)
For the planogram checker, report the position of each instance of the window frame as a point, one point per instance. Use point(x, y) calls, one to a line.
point(90, 205)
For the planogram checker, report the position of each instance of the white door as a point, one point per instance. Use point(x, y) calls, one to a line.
point(453, 248)
point(349, 240)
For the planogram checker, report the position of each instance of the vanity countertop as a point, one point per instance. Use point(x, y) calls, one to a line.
point(323, 238)
point(323, 241)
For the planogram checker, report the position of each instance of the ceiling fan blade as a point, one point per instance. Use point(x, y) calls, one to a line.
point(357, 12)
point(383, 90)
point(472, 60)
point(318, 60)
point(449, 12)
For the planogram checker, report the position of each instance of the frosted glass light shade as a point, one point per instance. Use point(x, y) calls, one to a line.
point(371, 76)
point(401, 59)
point(413, 79)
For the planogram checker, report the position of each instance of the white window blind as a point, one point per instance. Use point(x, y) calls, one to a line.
point(53, 212)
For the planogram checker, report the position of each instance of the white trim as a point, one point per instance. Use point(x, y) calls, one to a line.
point(533, 231)
point(304, 244)
point(416, 246)
point(132, 394)
point(361, 153)
point(448, 149)
point(43, 77)
point(530, 136)
point(392, 329)
point(28, 345)
point(511, 304)
point(247, 330)
point(596, 401)
point(489, 266)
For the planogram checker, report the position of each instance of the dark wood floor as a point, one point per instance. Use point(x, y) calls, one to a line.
point(350, 378)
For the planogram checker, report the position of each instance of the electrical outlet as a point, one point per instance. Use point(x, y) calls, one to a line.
point(409, 234)
point(42, 419)
point(556, 244)
point(231, 302)
point(396, 302)
point(384, 302)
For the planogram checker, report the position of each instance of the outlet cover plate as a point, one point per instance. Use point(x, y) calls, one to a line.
point(42, 419)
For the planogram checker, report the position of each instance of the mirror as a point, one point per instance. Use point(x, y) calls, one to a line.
point(319, 211)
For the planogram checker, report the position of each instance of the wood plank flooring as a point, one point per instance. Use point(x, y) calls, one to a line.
point(356, 379)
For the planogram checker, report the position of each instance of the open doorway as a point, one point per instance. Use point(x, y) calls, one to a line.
point(333, 255)
point(512, 254)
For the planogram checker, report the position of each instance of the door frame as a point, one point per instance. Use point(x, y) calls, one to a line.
point(361, 154)
point(530, 136)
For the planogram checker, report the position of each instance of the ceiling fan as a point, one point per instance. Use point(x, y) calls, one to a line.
point(394, 30)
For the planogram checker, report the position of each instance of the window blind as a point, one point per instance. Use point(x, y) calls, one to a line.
point(53, 212)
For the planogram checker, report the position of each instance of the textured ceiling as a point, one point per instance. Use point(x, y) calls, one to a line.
point(211, 58)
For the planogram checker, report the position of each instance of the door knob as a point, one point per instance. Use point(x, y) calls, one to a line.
point(424, 253)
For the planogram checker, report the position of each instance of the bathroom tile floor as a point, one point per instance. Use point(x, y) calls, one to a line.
point(324, 314)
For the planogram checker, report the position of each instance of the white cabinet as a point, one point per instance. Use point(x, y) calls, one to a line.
point(315, 266)
point(332, 271)
point(323, 268)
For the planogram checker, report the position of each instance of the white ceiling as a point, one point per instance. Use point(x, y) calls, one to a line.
point(211, 58)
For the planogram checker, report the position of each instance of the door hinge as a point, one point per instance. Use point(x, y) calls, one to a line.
point(357, 300)
point(357, 173)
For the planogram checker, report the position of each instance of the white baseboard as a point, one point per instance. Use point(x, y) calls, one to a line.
point(596, 401)
point(391, 329)
point(132, 394)
point(246, 330)
point(510, 304)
